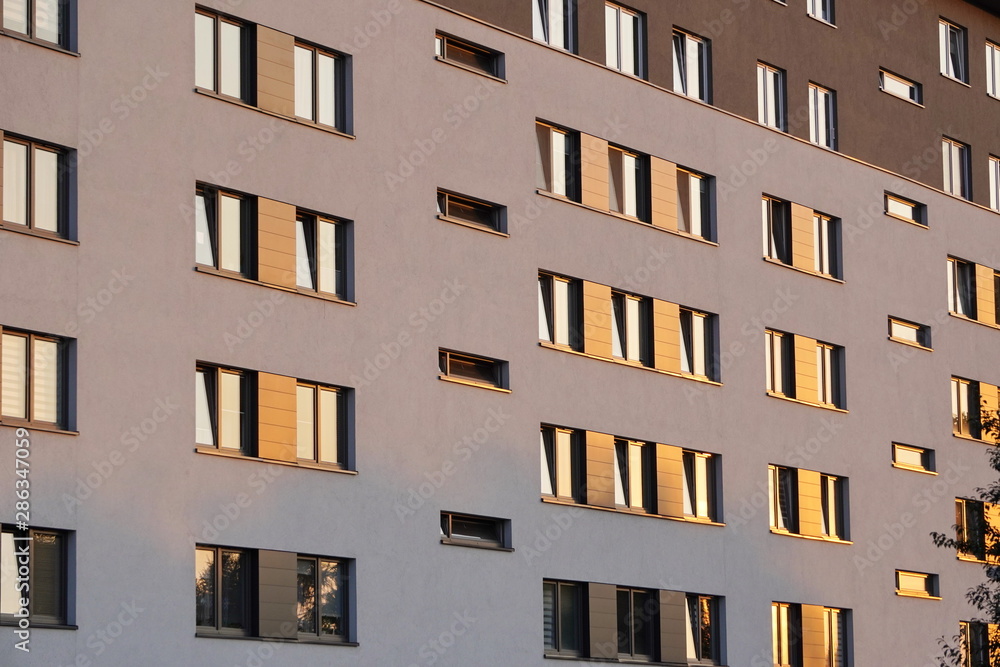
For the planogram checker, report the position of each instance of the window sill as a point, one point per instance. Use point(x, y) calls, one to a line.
point(475, 545)
point(569, 503)
point(631, 364)
point(472, 225)
point(280, 640)
point(919, 596)
point(824, 276)
point(300, 464)
point(28, 231)
point(958, 81)
point(626, 661)
point(814, 538)
point(925, 471)
point(910, 343)
point(905, 99)
point(470, 69)
point(472, 383)
point(821, 20)
point(37, 42)
point(907, 220)
point(823, 406)
point(46, 428)
point(969, 319)
point(635, 221)
point(962, 436)
point(290, 119)
point(40, 626)
point(243, 279)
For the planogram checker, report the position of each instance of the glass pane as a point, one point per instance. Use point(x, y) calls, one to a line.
point(46, 190)
point(695, 54)
point(47, 584)
point(624, 623)
point(15, 15)
point(232, 230)
point(15, 376)
point(15, 183)
point(557, 23)
point(472, 369)
point(305, 411)
point(761, 94)
point(633, 330)
point(564, 460)
point(680, 65)
point(909, 457)
point(637, 474)
point(561, 308)
point(691, 627)
point(47, 20)
point(204, 587)
point(231, 435)
point(329, 272)
point(688, 484)
point(331, 622)
point(538, 15)
point(560, 152)
point(231, 60)
point(303, 258)
point(304, 83)
point(549, 615)
point(326, 81)
point(707, 631)
point(204, 434)
point(621, 471)
point(611, 36)
point(618, 326)
point(204, 51)
point(9, 595)
point(701, 484)
point(698, 344)
point(630, 44)
point(204, 252)
point(630, 167)
point(307, 595)
point(45, 382)
point(547, 452)
point(329, 426)
point(902, 209)
point(570, 612)
point(233, 590)
point(545, 324)
point(484, 530)
point(904, 332)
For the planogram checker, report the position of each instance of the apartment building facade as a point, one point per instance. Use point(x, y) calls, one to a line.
point(519, 333)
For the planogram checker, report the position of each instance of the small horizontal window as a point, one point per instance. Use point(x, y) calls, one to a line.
point(474, 530)
point(900, 87)
point(915, 458)
point(469, 55)
point(909, 332)
point(905, 209)
point(478, 370)
point(467, 210)
point(916, 584)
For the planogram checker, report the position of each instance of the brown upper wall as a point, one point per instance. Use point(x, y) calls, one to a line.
point(872, 126)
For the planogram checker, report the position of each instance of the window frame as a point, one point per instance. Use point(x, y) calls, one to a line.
point(644, 627)
point(826, 246)
point(783, 480)
point(339, 85)
point(974, 643)
point(818, 93)
point(965, 394)
point(30, 196)
point(214, 394)
point(919, 210)
point(444, 43)
point(698, 492)
point(340, 406)
point(698, 638)
point(706, 205)
point(776, 216)
point(922, 332)
point(785, 631)
point(815, 9)
point(627, 454)
point(833, 504)
point(550, 316)
point(635, 204)
point(558, 616)
point(971, 528)
point(779, 347)
point(63, 566)
point(246, 66)
point(494, 213)
point(916, 95)
point(683, 41)
point(499, 369)
point(948, 67)
point(66, 14)
point(993, 69)
point(344, 572)
point(962, 299)
point(772, 96)
point(246, 570)
point(828, 376)
point(994, 171)
point(928, 590)
point(569, 177)
point(956, 161)
point(639, 38)
point(556, 472)
point(212, 197)
point(543, 23)
point(696, 353)
point(624, 319)
point(62, 376)
point(499, 527)
point(312, 222)
point(926, 457)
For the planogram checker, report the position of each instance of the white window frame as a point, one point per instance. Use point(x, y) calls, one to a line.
point(894, 85)
point(616, 39)
point(955, 158)
point(962, 414)
point(771, 97)
point(994, 182)
point(557, 297)
point(691, 65)
point(953, 46)
point(825, 245)
point(553, 21)
point(822, 116)
point(993, 69)
point(821, 10)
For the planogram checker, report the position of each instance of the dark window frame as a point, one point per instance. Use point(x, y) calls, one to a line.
point(712, 643)
point(573, 161)
point(633, 627)
point(494, 214)
point(62, 187)
point(62, 379)
point(481, 59)
point(345, 575)
point(574, 305)
point(67, 11)
point(339, 82)
point(212, 196)
point(247, 562)
point(577, 462)
point(341, 407)
point(247, 63)
point(500, 529)
point(63, 565)
point(919, 210)
point(248, 435)
point(779, 219)
point(312, 222)
point(497, 368)
point(581, 617)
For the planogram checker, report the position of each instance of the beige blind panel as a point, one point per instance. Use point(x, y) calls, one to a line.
point(45, 384)
point(988, 396)
point(666, 336)
point(810, 504)
point(673, 627)
point(14, 381)
point(813, 637)
point(276, 243)
point(803, 241)
point(594, 169)
point(277, 573)
point(276, 417)
point(597, 319)
point(985, 295)
point(806, 373)
point(1, 175)
point(603, 620)
point(275, 71)
point(663, 191)
point(600, 469)
point(669, 480)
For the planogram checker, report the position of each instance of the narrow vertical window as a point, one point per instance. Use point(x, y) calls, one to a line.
point(205, 410)
point(553, 21)
point(953, 51)
point(560, 463)
point(694, 342)
point(15, 182)
point(626, 183)
point(965, 407)
point(623, 39)
point(631, 474)
point(955, 157)
point(557, 161)
point(825, 245)
point(822, 116)
point(826, 373)
point(558, 310)
point(702, 640)
point(221, 590)
point(776, 220)
point(221, 220)
point(832, 503)
point(995, 183)
point(563, 617)
point(694, 203)
point(962, 288)
point(33, 186)
point(220, 55)
point(782, 641)
point(220, 408)
point(321, 599)
point(770, 96)
point(993, 69)
point(971, 527)
point(699, 485)
point(231, 402)
point(32, 378)
point(317, 83)
point(318, 423)
point(778, 354)
point(691, 66)
point(834, 637)
point(782, 489)
point(638, 619)
point(319, 254)
point(15, 375)
point(629, 327)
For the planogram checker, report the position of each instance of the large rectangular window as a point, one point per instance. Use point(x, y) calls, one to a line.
point(771, 96)
point(220, 55)
point(558, 161)
point(319, 424)
point(624, 39)
point(630, 327)
point(34, 189)
point(222, 235)
point(222, 590)
point(33, 368)
point(628, 183)
point(43, 554)
point(822, 116)
point(637, 621)
point(955, 157)
point(318, 85)
point(562, 463)
point(559, 309)
point(953, 46)
point(321, 598)
point(320, 254)
point(221, 415)
point(691, 65)
point(44, 20)
point(563, 610)
point(554, 21)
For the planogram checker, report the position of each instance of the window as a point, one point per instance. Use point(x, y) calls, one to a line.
point(995, 183)
point(992, 69)
point(34, 188)
point(624, 39)
point(33, 368)
point(319, 424)
point(220, 55)
point(702, 629)
point(962, 287)
point(965, 407)
point(777, 229)
point(900, 86)
point(912, 458)
point(469, 55)
point(559, 310)
point(637, 621)
point(699, 485)
point(633, 488)
point(780, 365)
point(468, 211)
point(971, 528)
point(909, 332)
point(563, 605)
point(696, 342)
point(221, 397)
point(826, 245)
point(782, 489)
point(691, 70)
point(627, 183)
point(558, 161)
point(796, 364)
point(975, 643)
point(834, 637)
point(468, 530)
point(771, 96)
point(553, 22)
point(953, 51)
point(222, 239)
point(45, 554)
point(694, 204)
point(956, 168)
point(318, 85)
point(321, 599)
point(809, 503)
point(821, 9)
point(476, 370)
point(788, 642)
point(222, 591)
point(784, 639)
point(916, 584)
point(630, 327)
point(320, 249)
point(832, 505)
point(562, 463)
point(826, 373)
point(822, 116)
point(905, 209)
point(44, 20)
